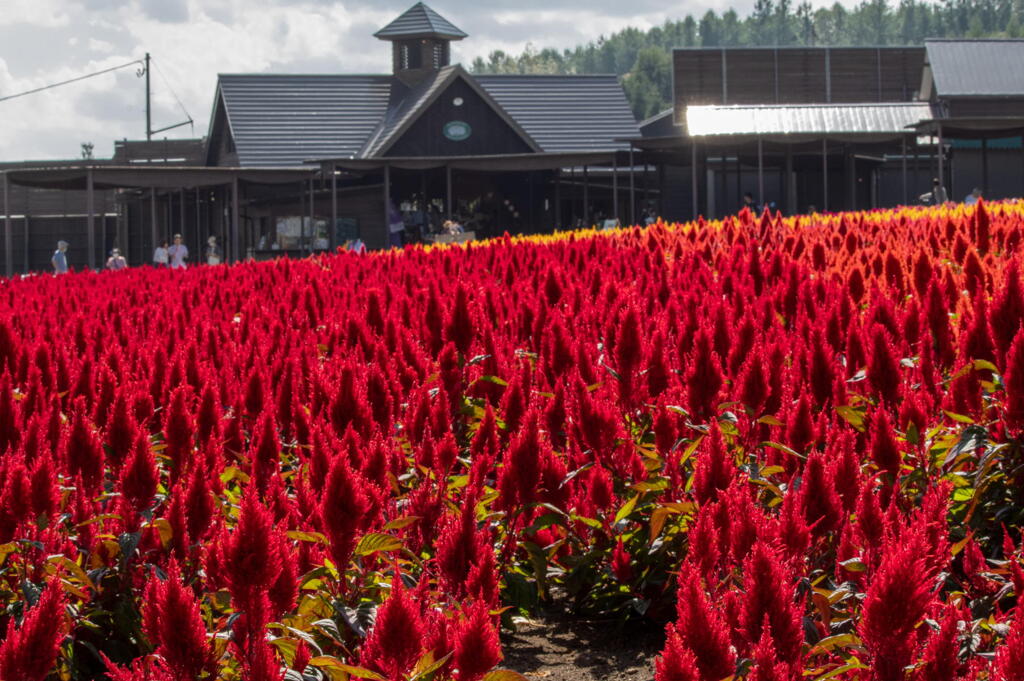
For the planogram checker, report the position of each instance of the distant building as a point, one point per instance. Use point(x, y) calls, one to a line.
point(838, 128)
point(295, 164)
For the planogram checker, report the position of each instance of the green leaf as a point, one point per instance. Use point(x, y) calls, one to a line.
point(311, 537)
point(832, 642)
point(332, 664)
point(971, 439)
point(427, 665)
point(570, 476)
point(959, 417)
point(786, 450)
point(657, 486)
point(851, 416)
point(854, 565)
point(856, 664)
point(985, 365)
point(589, 522)
point(504, 675)
point(377, 541)
point(770, 420)
point(627, 508)
point(399, 523)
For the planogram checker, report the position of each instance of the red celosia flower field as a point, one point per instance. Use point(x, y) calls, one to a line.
point(794, 442)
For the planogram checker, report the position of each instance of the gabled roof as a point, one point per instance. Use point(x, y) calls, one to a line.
point(419, 21)
point(286, 120)
point(283, 120)
point(566, 113)
point(419, 99)
point(977, 68)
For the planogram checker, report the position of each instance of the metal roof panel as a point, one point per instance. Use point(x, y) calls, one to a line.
point(420, 21)
point(282, 120)
point(803, 119)
point(977, 68)
point(566, 113)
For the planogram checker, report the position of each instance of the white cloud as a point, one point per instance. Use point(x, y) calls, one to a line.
point(101, 46)
point(40, 13)
point(46, 41)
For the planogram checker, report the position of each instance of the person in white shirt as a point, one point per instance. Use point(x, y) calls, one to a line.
point(160, 256)
point(973, 197)
point(178, 253)
point(213, 254)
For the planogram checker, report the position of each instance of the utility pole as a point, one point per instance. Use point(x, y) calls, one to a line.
point(149, 120)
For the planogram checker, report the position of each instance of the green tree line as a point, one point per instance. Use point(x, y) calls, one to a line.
point(644, 60)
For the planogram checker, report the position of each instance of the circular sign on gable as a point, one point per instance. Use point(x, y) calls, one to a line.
point(457, 131)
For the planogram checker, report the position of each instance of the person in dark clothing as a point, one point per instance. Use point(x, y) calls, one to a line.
point(748, 202)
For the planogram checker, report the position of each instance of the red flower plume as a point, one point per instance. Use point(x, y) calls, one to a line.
point(477, 650)
point(396, 640)
point(174, 625)
point(28, 652)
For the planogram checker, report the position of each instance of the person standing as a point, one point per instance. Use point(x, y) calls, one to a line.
point(937, 196)
point(213, 254)
point(116, 261)
point(396, 226)
point(178, 253)
point(60, 258)
point(973, 197)
point(750, 204)
point(160, 256)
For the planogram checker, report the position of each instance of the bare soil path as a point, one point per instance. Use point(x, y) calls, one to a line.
point(558, 648)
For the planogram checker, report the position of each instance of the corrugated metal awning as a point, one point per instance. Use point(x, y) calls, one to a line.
point(142, 177)
point(803, 121)
point(495, 163)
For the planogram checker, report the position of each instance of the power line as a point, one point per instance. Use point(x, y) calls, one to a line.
point(73, 80)
point(175, 95)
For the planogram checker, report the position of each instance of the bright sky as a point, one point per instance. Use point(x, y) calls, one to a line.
point(44, 41)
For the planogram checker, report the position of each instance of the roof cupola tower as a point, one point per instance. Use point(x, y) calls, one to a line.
point(421, 42)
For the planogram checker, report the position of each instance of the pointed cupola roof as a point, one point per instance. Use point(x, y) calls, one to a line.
point(419, 21)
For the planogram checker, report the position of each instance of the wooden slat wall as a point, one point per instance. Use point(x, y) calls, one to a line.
point(796, 75)
point(802, 76)
point(854, 75)
point(901, 74)
point(750, 76)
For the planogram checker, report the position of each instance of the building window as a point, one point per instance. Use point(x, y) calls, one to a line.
point(410, 55)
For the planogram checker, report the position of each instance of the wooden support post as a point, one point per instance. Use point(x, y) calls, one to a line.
point(790, 185)
point(558, 198)
point(693, 179)
point(90, 224)
point(984, 166)
point(235, 240)
point(760, 173)
point(615, 186)
point(448, 190)
point(824, 175)
point(152, 221)
point(906, 191)
point(586, 198)
point(942, 162)
point(312, 216)
point(333, 231)
point(8, 236)
point(199, 239)
point(632, 186)
point(387, 205)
